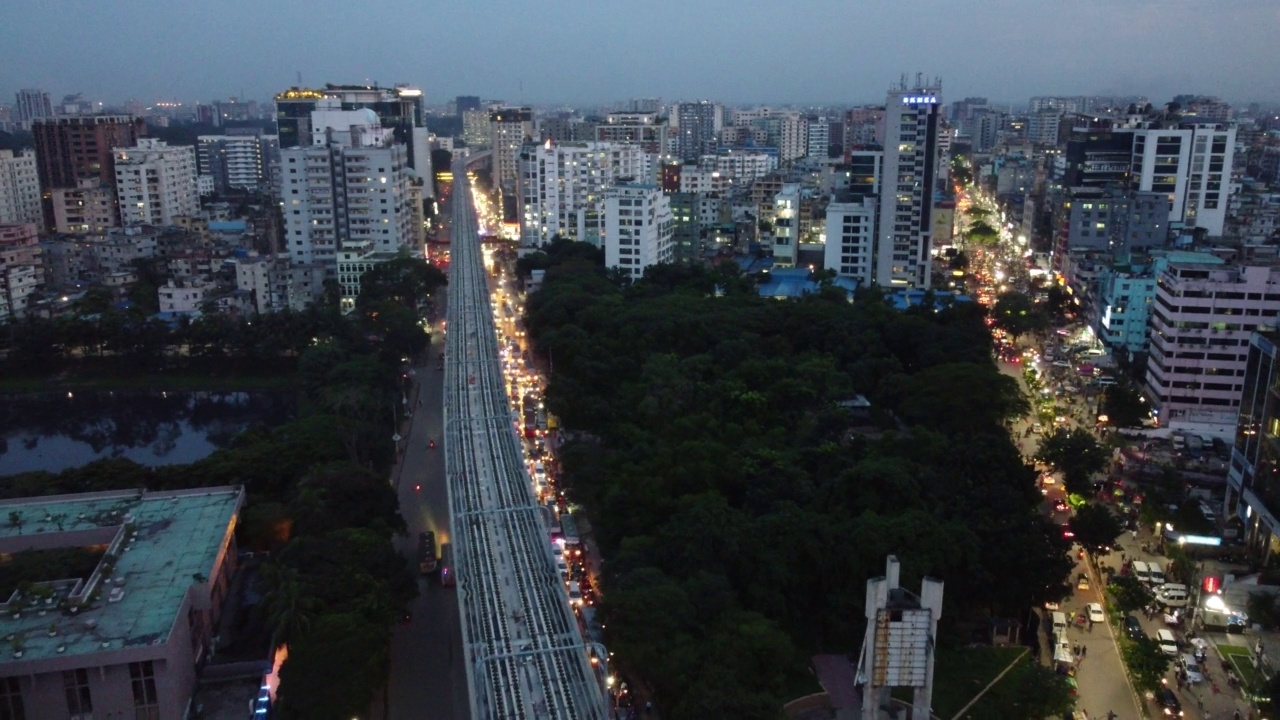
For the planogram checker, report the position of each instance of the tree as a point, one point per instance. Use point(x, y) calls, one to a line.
point(1077, 454)
point(1016, 313)
point(1128, 593)
point(288, 608)
point(1124, 406)
point(1147, 663)
point(1264, 609)
point(1095, 527)
point(332, 673)
point(404, 280)
point(981, 233)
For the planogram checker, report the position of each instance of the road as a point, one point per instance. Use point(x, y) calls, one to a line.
point(428, 680)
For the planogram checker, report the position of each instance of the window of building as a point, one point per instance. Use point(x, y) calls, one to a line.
point(146, 702)
point(76, 685)
point(11, 707)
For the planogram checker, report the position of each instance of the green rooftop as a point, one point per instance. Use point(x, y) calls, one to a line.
point(154, 547)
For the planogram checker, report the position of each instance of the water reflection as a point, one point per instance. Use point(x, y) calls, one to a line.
point(55, 432)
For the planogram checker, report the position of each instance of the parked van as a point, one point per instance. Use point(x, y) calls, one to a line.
point(575, 593)
point(1168, 643)
point(1141, 570)
point(1157, 575)
point(562, 567)
point(1172, 595)
point(1059, 622)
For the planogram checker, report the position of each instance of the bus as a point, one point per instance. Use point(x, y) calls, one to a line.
point(426, 552)
point(448, 578)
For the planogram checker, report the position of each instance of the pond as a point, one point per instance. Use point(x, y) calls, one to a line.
point(55, 432)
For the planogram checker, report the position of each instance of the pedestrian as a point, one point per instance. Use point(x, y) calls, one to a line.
point(1084, 650)
point(648, 707)
point(1090, 628)
point(1075, 650)
point(1134, 532)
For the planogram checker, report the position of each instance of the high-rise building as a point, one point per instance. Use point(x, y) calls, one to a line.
point(74, 149)
point(638, 228)
point(904, 248)
point(80, 148)
point(401, 109)
point(697, 124)
point(786, 225)
point(243, 159)
point(466, 102)
point(1042, 127)
point(156, 183)
point(19, 188)
point(819, 138)
point(475, 128)
point(646, 129)
point(33, 105)
point(346, 192)
point(1253, 475)
point(851, 236)
point(509, 128)
point(686, 227)
point(1192, 163)
point(561, 188)
point(1200, 325)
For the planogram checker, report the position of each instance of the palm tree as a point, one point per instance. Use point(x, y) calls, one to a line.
point(288, 609)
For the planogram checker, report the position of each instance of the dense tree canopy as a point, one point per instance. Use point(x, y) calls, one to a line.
point(1078, 454)
point(1017, 314)
point(742, 502)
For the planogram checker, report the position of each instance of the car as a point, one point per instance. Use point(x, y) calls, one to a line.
point(1082, 583)
point(1133, 628)
point(1168, 643)
point(1191, 669)
point(1060, 506)
point(1067, 532)
point(1095, 612)
point(1061, 364)
point(1051, 606)
point(1169, 703)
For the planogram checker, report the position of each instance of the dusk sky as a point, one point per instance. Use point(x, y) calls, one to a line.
point(571, 51)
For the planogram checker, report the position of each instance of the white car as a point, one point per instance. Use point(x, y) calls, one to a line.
point(1168, 643)
point(1095, 612)
point(1192, 669)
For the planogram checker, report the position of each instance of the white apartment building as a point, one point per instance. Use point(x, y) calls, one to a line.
point(1200, 325)
point(903, 253)
point(819, 138)
point(19, 188)
point(786, 225)
point(1042, 127)
point(184, 297)
point(509, 129)
point(1192, 164)
point(793, 137)
point(851, 238)
point(740, 166)
point(696, 180)
point(156, 183)
point(20, 268)
point(561, 187)
point(350, 187)
point(241, 162)
point(637, 228)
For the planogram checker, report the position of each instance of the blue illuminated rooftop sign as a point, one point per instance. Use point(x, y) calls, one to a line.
point(919, 100)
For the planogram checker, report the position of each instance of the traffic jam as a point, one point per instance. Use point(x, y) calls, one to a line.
point(538, 430)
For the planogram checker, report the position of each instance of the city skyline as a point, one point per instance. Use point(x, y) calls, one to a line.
point(560, 53)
